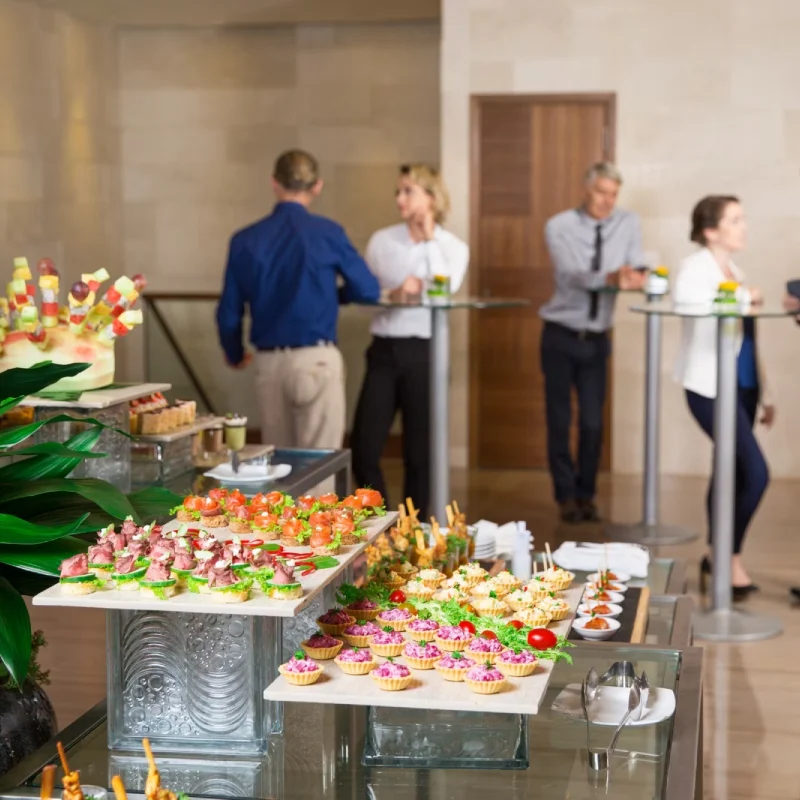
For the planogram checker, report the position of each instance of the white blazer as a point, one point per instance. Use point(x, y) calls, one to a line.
point(695, 288)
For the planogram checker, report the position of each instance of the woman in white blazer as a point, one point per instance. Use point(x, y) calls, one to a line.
point(718, 226)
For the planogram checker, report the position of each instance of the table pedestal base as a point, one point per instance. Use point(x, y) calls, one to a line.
point(734, 626)
point(649, 535)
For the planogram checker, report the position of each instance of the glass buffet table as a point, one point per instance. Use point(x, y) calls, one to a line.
point(349, 752)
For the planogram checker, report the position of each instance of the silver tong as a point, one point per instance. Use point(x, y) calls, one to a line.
point(621, 674)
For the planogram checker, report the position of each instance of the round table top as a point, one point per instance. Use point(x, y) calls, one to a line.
point(666, 308)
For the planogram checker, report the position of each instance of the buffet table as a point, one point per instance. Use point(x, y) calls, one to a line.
point(353, 752)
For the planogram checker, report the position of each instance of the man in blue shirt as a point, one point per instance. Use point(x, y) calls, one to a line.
point(287, 268)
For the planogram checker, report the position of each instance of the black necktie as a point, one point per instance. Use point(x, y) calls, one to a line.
point(597, 260)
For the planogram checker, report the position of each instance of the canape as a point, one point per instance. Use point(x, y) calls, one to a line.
point(387, 642)
point(490, 606)
point(483, 650)
point(453, 666)
point(355, 661)
point(76, 579)
point(451, 637)
point(506, 579)
point(485, 679)
point(226, 586)
point(300, 670)
point(520, 599)
point(391, 677)
point(431, 577)
point(421, 654)
point(533, 617)
point(126, 574)
point(282, 585)
point(101, 560)
point(395, 618)
point(556, 608)
point(157, 582)
point(516, 663)
point(416, 587)
point(422, 630)
point(360, 633)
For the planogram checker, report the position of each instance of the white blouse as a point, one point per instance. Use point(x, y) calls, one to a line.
point(393, 256)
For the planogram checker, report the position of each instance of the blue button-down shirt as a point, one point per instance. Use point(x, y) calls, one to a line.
point(285, 268)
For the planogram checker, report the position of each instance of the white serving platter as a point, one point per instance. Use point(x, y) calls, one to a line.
point(611, 705)
point(185, 602)
point(249, 473)
point(429, 689)
point(100, 398)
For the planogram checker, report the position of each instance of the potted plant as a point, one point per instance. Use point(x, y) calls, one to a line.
point(43, 514)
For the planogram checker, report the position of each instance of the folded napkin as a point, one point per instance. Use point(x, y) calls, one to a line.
point(590, 557)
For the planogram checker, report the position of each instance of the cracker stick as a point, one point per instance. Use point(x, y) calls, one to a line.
point(401, 511)
point(450, 518)
point(549, 554)
point(455, 507)
point(63, 756)
point(48, 781)
point(119, 788)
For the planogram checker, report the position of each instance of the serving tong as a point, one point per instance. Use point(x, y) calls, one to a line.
point(622, 674)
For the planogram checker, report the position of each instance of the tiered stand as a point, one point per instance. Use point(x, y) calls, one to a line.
point(190, 677)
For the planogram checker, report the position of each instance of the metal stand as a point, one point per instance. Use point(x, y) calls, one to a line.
point(650, 532)
point(440, 419)
point(722, 623)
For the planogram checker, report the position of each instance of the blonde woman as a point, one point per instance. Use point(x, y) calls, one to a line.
point(404, 258)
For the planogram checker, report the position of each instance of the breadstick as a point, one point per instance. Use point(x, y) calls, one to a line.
point(450, 518)
point(119, 788)
point(549, 554)
point(48, 781)
point(401, 511)
point(63, 756)
point(456, 508)
point(149, 753)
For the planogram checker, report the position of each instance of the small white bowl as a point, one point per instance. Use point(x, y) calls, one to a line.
point(618, 588)
point(585, 610)
point(622, 577)
point(579, 626)
point(615, 597)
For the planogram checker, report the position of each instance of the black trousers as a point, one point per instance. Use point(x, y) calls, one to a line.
point(570, 361)
point(397, 378)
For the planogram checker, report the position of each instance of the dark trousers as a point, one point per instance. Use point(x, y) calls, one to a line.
point(397, 378)
point(752, 473)
point(570, 361)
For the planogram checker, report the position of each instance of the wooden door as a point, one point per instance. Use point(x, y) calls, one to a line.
point(529, 154)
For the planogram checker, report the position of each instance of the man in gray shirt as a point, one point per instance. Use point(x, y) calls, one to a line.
point(594, 247)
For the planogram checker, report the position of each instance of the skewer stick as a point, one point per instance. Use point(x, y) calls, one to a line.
point(535, 568)
point(456, 508)
point(119, 788)
point(48, 781)
point(63, 756)
point(549, 554)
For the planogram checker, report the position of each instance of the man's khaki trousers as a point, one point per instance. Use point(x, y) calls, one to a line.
point(301, 397)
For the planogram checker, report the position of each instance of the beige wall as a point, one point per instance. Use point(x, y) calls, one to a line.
point(708, 101)
point(59, 154)
point(204, 113)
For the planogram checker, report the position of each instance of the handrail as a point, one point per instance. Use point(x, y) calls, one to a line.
point(151, 299)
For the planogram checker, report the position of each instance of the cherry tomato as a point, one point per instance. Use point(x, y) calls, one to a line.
point(515, 623)
point(410, 607)
point(397, 596)
point(488, 635)
point(542, 639)
point(466, 625)
point(469, 608)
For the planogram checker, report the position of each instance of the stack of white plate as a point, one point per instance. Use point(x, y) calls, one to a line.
point(485, 540)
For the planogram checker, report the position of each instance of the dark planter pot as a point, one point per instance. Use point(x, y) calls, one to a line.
point(27, 721)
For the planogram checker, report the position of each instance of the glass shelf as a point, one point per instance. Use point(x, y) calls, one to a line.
point(453, 303)
point(706, 310)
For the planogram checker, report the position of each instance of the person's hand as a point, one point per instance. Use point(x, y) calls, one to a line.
point(411, 285)
point(627, 279)
point(756, 295)
point(791, 303)
point(767, 416)
point(244, 363)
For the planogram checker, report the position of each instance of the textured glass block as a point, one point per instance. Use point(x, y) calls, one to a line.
point(425, 739)
point(192, 682)
point(116, 466)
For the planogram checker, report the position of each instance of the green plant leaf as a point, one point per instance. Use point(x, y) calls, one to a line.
point(56, 449)
point(155, 502)
point(103, 494)
point(15, 632)
point(45, 558)
point(10, 402)
point(14, 530)
point(19, 434)
point(22, 381)
point(53, 466)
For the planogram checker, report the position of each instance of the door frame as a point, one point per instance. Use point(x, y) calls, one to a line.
point(476, 101)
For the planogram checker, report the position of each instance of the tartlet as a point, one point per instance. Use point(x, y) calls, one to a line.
point(556, 608)
point(391, 677)
point(538, 589)
point(422, 630)
point(363, 609)
point(300, 670)
point(334, 622)
point(355, 661)
point(484, 651)
point(453, 667)
point(452, 638)
point(416, 587)
point(322, 647)
point(445, 595)
point(533, 617)
point(519, 599)
point(558, 578)
point(360, 633)
point(516, 664)
point(466, 577)
point(421, 655)
point(489, 607)
point(505, 578)
point(485, 679)
point(431, 577)
point(396, 618)
point(387, 643)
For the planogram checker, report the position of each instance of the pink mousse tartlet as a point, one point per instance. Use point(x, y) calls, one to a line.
point(485, 649)
point(360, 634)
point(358, 661)
point(485, 679)
point(387, 643)
point(516, 665)
point(453, 667)
point(451, 637)
point(363, 609)
point(422, 655)
point(397, 618)
point(300, 670)
point(391, 677)
point(422, 629)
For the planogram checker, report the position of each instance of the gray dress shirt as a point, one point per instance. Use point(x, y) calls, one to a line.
point(570, 238)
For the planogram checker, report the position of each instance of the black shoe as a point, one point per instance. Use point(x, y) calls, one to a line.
point(569, 512)
point(589, 512)
point(739, 592)
point(795, 592)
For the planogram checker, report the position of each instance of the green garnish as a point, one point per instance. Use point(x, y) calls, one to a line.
point(298, 654)
point(493, 595)
point(387, 628)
